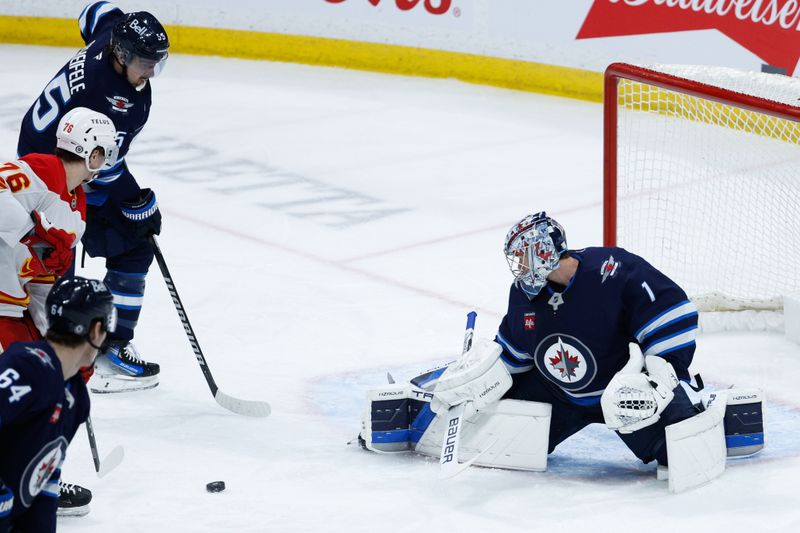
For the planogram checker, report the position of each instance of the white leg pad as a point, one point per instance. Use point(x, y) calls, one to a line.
point(510, 434)
point(696, 448)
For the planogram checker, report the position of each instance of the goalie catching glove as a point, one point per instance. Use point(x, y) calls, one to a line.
point(478, 377)
point(633, 401)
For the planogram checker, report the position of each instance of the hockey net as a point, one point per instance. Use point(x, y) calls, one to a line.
point(702, 179)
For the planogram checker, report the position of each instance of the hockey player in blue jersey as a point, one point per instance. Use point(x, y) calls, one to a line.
point(43, 401)
point(111, 75)
point(596, 335)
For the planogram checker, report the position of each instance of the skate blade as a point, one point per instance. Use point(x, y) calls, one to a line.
point(73, 511)
point(114, 384)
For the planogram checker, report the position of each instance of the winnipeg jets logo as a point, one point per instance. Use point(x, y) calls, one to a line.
point(40, 470)
point(119, 104)
point(566, 361)
point(609, 268)
point(41, 355)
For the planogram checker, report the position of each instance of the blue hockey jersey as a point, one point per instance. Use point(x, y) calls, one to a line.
point(573, 339)
point(89, 80)
point(39, 414)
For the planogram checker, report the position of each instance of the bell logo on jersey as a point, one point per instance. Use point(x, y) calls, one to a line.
point(565, 361)
point(609, 268)
point(529, 321)
point(119, 104)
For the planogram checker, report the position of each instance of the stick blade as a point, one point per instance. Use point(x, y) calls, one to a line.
point(112, 460)
point(242, 407)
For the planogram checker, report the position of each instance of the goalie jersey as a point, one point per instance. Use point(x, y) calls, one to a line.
point(39, 415)
point(572, 340)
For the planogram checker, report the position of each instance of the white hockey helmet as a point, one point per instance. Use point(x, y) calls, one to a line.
point(533, 248)
point(81, 130)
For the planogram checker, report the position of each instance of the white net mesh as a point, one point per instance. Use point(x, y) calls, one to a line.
point(709, 192)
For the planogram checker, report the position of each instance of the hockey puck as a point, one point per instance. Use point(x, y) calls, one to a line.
point(215, 486)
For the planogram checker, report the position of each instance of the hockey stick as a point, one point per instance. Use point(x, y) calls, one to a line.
point(241, 407)
point(111, 461)
point(448, 458)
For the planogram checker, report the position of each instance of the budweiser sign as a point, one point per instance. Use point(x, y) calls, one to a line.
point(768, 28)
point(434, 7)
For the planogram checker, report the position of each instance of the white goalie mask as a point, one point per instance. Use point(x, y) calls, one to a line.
point(81, 130)
point(533, 248)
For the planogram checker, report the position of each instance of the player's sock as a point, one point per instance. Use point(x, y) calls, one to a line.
point(73, 500)
point(122, 369)
point(128, 291)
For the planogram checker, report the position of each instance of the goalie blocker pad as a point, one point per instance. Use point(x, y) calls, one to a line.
point(511, 434)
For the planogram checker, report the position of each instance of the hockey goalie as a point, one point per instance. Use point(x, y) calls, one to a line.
point(591, 336)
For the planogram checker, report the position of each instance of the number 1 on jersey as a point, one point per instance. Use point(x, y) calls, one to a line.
point(647, 288)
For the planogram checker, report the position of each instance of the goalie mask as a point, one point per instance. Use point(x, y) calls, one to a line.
point(533, 248)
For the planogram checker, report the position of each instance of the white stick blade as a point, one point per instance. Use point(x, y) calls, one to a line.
point(111, 461)
point(242, 407)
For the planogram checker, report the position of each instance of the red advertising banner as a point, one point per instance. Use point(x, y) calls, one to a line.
point(768, 28)
point(434, 7)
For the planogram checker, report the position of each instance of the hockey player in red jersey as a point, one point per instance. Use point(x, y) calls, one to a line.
point(42, 217)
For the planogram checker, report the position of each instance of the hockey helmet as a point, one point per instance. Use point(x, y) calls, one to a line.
point(81, 130)
point(75, 303)
point(139, 36)
point(533, 248)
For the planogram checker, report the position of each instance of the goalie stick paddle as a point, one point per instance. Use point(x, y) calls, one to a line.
point(111, 461)
point(448, 458)
point(235, 405)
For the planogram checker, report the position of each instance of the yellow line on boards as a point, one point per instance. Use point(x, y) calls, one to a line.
point(391, 59)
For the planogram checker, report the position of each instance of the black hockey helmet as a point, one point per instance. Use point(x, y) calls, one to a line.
point(139, 34)
point(75, 303)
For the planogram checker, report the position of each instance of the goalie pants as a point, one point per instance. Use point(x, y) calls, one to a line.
point(567, 419)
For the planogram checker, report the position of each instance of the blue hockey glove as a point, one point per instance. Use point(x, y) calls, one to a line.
point(142, 215)
point(6, 502)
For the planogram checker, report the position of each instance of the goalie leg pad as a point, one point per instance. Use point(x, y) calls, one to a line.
point(696, 448)
point(385, 421)
point(745, 426)
point(510, 434)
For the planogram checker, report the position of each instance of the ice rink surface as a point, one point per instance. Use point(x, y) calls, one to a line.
point(325, 226)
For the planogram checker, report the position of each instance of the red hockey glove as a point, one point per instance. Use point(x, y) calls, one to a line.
point(52, 246)
point(86, 372)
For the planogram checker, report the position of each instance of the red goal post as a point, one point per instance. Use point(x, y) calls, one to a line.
point(702, 179)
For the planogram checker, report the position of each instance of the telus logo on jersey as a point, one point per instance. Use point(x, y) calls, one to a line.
point(769, 29)
point(433, 7)
point(565, 361)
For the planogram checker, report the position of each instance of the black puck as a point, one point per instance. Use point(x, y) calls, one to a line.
point(215, 486)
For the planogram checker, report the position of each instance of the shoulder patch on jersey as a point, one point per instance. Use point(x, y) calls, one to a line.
point(609, 268)
point(565, 361)
point(120, 104)
point(41, 355)
point(529, 321)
